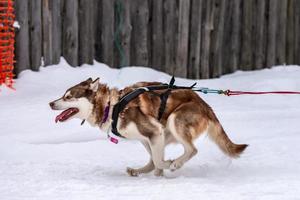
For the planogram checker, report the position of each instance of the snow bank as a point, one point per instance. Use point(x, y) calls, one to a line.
point(43, 160)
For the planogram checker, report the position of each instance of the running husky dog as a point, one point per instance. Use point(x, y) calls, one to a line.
point(185, 118)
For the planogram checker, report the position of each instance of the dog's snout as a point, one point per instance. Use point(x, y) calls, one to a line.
point(51, 104)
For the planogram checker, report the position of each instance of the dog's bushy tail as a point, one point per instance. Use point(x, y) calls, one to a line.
point(218, 135)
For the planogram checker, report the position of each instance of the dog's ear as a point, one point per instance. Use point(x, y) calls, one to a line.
point(89, 80)
point(95, 84)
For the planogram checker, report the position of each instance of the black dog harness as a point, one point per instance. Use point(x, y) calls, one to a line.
point(119, 107)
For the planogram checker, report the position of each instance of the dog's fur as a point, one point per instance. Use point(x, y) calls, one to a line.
point(185, 118)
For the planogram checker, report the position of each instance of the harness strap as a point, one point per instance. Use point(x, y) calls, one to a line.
point(164, 97)
point(119, 107)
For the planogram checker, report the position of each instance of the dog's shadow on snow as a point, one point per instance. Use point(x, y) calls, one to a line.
point(205, 170)
point(201, 171)
point(209, 169)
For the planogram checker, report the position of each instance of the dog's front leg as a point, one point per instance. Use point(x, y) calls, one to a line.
point(143, 170)
point(147, 168)
point(157, 146)
point(157, 172)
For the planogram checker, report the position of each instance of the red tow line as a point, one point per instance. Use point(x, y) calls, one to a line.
point(235, 93)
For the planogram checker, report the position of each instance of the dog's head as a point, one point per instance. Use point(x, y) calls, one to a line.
point(77, 102)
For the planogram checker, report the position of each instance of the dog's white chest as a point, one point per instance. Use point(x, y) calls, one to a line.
point(131, 132)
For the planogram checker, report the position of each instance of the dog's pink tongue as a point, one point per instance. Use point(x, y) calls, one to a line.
point(57, 118)
point(66, 114)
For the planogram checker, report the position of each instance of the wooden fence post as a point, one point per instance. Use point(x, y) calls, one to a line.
point(70, 32)
point(260, 34)
point(193, 68)
point(124, 29)
point(281, 32)
point(22, 36)
point(139, 41)
point(157, 53)
point(180, 68)
point(86, 34)
point(247, 34)
point(105, 47)
point(297, 32)
point(35, 34)
point(56, 14)
point(216, 56)
point(170, 31)
point(235, 44)
point(208, 26)
point(52, 31)
point(272, 28)
point(290, 32)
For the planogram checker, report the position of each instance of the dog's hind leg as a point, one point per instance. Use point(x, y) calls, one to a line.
point(182, 135)
point(149, 167)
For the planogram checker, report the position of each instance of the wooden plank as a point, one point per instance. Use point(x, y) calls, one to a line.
point(157, 35)
point(98, 31)
point(170, 30)
point(180, 69)
point(272, 28)
point(107, 18)
point(247, 34)
point(149, 33)
point(95, 22)
point(140, 18)
point(70, 32)
point(35, 28)
point(235, 46)
point(226, 54)
point(281, 32)
point(22, 36)
point(208, 26)
point(47, 33)
point(107, 36)
point(86, 34)
point(193, 70)
point(56, 17)
point(290, 32)
point(52, 31)
point(297, 32)
point(123, 33)
point(253, 34)
point(260, 34)
point(217, 38)
point(228, 38)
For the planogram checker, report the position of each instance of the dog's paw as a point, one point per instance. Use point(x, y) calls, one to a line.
point(175, 165)
point(168, 164)
point(132, 172)
point(158, 172)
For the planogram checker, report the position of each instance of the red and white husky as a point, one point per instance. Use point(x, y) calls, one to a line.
point(185, 118)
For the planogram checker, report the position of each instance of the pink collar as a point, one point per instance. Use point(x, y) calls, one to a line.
point(106, 113)
point(104, 119)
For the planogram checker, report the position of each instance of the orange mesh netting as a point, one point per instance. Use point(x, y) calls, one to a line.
point(7, 36)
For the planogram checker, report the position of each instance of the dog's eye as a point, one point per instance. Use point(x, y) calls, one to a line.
point(68, 97)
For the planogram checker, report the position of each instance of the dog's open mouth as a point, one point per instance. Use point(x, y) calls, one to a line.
point(66, 114)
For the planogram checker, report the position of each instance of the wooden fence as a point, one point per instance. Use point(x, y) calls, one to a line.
point(187, 38)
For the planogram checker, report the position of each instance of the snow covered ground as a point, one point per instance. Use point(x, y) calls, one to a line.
point(43, 160)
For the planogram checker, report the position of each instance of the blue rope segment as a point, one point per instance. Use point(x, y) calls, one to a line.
point(211, 91)
point(208, 91)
